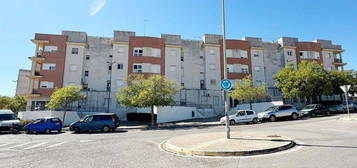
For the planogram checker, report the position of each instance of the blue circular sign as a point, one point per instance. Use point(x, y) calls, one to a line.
point(226, 84)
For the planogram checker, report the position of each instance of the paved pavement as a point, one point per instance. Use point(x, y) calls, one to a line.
point(324, 142)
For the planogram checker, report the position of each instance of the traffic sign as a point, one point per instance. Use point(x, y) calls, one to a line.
point(226, 84)
point(345, 88)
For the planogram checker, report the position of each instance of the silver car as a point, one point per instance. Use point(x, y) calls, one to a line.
point(274, 112)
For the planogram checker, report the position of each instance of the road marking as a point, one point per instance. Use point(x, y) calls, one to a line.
point(83, 141)
point(34, 146)
point(6, 144)
point(57, 144)
point(19, 145)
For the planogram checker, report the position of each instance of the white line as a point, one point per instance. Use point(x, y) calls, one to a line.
point(34, 146)
point(6, 144)
point(57, 144)
point(19, 145)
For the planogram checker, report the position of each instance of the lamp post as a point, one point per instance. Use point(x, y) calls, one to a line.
point(225, 94)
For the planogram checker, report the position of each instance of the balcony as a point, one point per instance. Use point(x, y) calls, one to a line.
point(34, 93)
point(338, 62)
point(38, 57)
point(36, 75)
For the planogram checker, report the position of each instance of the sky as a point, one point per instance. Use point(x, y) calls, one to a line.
point(308, 20)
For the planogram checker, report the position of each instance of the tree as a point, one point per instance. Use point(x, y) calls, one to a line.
point(4, 102)
point(17, 103)
point(246, 92)
point(156, 90)
point(62, 97)
point(309, 80)
point(339, 78)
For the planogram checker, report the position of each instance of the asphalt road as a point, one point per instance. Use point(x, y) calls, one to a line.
point(325, 142)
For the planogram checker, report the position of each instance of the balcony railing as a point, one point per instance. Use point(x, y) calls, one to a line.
point(38, 74)
point(337, 60)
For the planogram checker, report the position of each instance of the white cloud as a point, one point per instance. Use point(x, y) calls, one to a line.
point(96, 6)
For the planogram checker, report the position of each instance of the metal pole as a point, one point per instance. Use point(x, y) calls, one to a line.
point(348, 109)
point(228, 130)
point(110, 83)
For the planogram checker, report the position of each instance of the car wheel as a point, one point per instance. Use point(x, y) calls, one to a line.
point(106, 128)
point(27, 131)
point(232, 122)
point(313, 115)
point(59, 130)
point(294, 116)
point(328, 113)
point(272, 118)
point(255, 121)
point(47, 131)
point(76, 129)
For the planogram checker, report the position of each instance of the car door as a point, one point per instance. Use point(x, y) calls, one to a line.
point(249, 116)
point(97, 122)
point(87, 123)
point(241, 116)
point(280, 111)
point(55, 124)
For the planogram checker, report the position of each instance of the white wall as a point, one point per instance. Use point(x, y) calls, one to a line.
point(174, 113)
point(258, 107)
point(33, 115)
point(73, 77)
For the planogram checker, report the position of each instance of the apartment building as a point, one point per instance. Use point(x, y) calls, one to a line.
point(101, 65)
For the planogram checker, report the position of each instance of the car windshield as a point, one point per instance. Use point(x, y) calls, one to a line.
point(270, 108)
point(7, 117)
point(309, 107)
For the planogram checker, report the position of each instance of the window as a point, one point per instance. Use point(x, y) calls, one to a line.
point(290, 53)
point(202, 84)
point(317, 55)
point(85, 86)
point(257, 69)
point(172, 68)
point(46, 84)
point(51, 67)
point(182, 84)
point(230, 68)
point(213, 82)
point(86, 73)
point(182, 59)
point(212, 66)
point(120, 66)
point(73, 68)
point(110, 56)
point(51, 48)
point(108, 85)
point(155, 52)
point(87, 57)
point(256, 54)
point(138, 68)
point(229, 53)
point(138, 52)
point(74, 50)
point(201, 57)
point(155, 68)
point(245, 69)
point(110, 67)
point(243, 54)
point(250, 113)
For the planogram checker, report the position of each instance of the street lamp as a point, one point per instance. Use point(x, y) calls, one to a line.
point(225, 94)
point(110, 81)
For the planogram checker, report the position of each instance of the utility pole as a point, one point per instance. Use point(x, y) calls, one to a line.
point(228, 130)
point(110, 63)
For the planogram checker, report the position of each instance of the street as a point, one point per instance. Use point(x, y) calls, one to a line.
point(322, 142)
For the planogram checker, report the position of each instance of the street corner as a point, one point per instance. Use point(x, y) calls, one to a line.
point(217, 145)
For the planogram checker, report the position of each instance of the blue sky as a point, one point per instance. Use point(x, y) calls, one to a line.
point(306, 19)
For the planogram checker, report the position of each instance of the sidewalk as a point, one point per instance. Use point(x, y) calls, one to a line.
point(204, 122)
point(216, 144)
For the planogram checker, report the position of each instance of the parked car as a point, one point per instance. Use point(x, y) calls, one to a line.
point(241, 116)
point(351, 106)
point(105, 122)
point(44, 125)
point(314, 109)
point(9, 121)
point(336, 108)
point(274, 112)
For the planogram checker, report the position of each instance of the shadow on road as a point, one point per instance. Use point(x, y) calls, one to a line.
point(100, 132)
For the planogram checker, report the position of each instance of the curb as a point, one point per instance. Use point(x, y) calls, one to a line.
point(182, 151)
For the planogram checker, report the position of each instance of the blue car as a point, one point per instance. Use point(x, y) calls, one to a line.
point(102, 121)
point(44, 125)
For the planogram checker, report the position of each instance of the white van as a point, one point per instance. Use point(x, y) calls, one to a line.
point(9, 121)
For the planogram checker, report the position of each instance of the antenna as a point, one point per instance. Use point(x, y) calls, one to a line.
point(145, 20)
